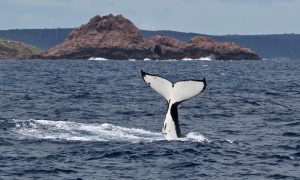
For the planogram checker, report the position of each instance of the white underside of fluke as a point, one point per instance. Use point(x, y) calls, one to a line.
point(174, 94)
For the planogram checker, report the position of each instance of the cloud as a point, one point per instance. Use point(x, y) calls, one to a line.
point(147, 26)
point(37, 3)
point(256, 2)
point(202, 16)
point(25, 18)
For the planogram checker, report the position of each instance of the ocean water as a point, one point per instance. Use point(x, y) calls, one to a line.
point(83, 119)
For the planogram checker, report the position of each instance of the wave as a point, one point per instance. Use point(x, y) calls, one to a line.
point(75, 131)
point(97, 59)
point(208, 58)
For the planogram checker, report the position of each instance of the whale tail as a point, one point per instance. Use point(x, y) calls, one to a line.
point(178, 92)
point(174, 94)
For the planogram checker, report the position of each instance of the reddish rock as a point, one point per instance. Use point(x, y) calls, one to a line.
point(201, 46)
point(165, 47)
point(115, 37)
point(197, 47)
point(112, 37)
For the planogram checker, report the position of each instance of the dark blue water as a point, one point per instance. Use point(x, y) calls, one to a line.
point(99, 120)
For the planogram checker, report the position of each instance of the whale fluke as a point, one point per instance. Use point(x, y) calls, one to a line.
point(173, 94)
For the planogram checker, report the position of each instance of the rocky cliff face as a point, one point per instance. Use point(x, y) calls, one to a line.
point(112, 37)
point(201, 46)
point(164, 47)
point(198, 47)
point(17, 50)
point(115, 37)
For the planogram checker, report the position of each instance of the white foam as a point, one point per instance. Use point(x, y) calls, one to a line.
point(75, 131)
point(204, 59)
point(97, 59)
point(187, 59)
point(230, 141)
point(208, 58)
point(66, 130)
point(147, 59)
point(197, 137)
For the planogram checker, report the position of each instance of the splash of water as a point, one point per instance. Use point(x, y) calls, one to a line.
point(67, 130)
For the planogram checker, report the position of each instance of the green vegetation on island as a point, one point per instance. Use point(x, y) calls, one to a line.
point(17, 50)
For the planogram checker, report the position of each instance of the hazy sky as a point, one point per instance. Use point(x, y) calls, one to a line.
point(200, 16)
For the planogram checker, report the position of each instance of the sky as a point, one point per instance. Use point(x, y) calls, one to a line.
point(214, 17)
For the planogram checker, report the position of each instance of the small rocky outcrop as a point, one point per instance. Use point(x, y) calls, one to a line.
point(201, 46)
point(115, 37)
point(17, 50)
point(164, 47)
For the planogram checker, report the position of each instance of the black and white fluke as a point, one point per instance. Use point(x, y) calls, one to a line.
point(174, 94)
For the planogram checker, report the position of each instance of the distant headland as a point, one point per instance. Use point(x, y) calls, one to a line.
point(115, 37)
point(17, 50)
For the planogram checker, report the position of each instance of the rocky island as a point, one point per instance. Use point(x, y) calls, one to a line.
point(115, 37)
point(17, 50)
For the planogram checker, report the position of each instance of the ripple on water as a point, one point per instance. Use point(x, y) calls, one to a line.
point(103, 122)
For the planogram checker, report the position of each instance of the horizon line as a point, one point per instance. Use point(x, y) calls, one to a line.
point(262, 34)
